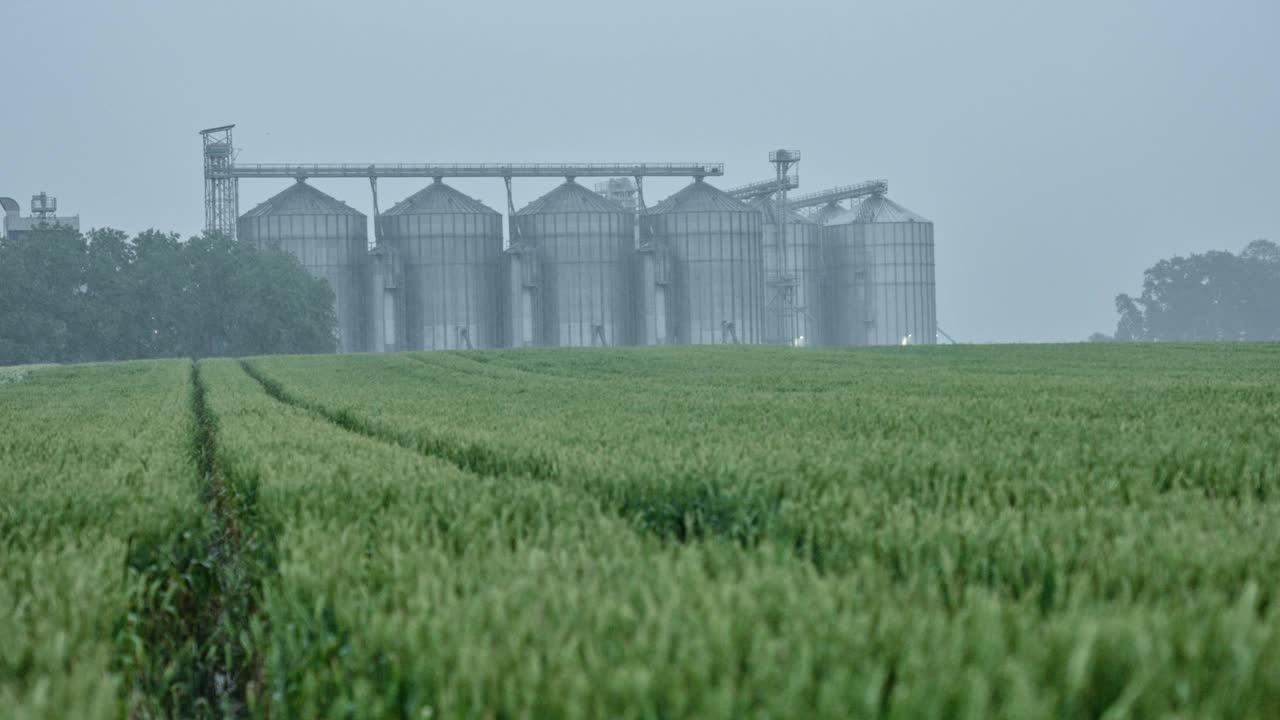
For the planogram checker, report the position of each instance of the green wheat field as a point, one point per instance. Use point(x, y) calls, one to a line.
point(1076, 531)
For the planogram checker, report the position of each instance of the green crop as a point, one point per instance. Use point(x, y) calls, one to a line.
point(1017, 532)
point(96, 494)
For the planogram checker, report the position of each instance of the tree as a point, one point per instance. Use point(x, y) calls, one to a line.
point(282, 307)
point(160, 276)
point(41, 295)
point(1263, 250)
point(1210, 296)
point(105, 325)
point(70, 297)
point(1131, 327)
point(246, 301)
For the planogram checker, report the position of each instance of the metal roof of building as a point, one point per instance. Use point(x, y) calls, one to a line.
point(571, 198)
point(439, 198)
point(769, 208)
point(876, 209)
point(699, 196)
point(302, 199)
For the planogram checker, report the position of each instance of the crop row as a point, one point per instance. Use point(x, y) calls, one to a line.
point(551, 559)
point(99, 519)
point(675, 532)
point(1107, 482)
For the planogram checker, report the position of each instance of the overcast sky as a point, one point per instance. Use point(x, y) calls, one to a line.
point(1059, 148)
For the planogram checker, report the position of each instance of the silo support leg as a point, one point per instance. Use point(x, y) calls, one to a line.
point(660, 313)
point(640, 210)
point(511, 213)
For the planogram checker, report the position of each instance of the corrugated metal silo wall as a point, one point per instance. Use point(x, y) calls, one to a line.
point(585, 279)
point(844, 285)
point(804, 265)
point(717, 272)
point(902, 297)
point(452, 278)
point(331, 247)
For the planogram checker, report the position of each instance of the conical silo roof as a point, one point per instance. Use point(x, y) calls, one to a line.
point(876, 209)
point(302, 199)
point(769, 207)
point(572, 198)
point(698, 196)
point(439, 198)
point(824, 214)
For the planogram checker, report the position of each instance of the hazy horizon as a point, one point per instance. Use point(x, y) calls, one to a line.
point(1059, 150)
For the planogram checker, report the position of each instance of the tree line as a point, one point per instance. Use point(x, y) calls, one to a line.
point(1215, 295)
point(67, 296)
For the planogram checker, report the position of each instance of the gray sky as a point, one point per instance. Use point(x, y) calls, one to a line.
point(1060, 148)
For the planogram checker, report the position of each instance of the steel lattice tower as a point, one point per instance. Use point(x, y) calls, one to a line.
point(784, 284)
point(221, 188)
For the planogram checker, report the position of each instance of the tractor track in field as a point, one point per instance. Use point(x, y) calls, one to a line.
point(229, 552)
point(693, 513)
point(472, 458)
point(204, 575)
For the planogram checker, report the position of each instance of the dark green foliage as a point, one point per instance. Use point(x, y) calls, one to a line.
point(68, 297)
point(1213, 296)
point(40, 298)
point(167, 651)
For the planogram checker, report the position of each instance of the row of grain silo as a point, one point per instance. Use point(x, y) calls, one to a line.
point(700, 267)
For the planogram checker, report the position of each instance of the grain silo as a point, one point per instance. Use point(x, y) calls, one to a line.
point(450, 248)
point(792, 272)
point(880, 275)
point(716, 287)
point(824, 214)
point(584, 245)
point(328, 237)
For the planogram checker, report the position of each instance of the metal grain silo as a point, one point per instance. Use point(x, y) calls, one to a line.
point(880, 275)
point(793, 282)
point(824, 214)
point(328, 237)
point(450, 248)
point(583, 243)
point(716, 291)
